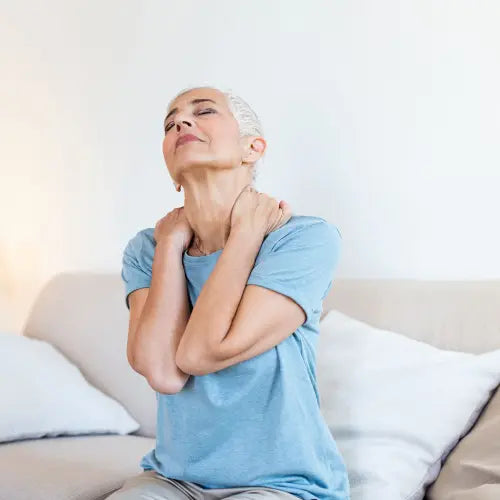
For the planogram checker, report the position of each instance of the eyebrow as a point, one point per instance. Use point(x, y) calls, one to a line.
point(194, 101)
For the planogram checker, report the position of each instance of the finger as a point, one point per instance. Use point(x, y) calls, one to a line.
point(287, 211)
point(279, 220)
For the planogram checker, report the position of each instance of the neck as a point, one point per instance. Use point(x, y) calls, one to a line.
point(209, 196)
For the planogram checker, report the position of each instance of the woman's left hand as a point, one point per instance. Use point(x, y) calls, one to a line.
point(258, 212)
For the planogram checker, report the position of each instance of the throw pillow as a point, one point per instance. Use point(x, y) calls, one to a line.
point(43, 394)
point(396, 406)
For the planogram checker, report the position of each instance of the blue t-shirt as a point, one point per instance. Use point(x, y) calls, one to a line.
point(258, 422)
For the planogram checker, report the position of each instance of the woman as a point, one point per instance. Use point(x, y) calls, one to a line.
point(225, 296)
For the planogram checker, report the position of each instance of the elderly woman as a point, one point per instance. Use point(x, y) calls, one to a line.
point(225, 296)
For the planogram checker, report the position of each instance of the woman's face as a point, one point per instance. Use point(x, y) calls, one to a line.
point(208, 118)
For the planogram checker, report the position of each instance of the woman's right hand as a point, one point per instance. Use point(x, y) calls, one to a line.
point(175, 227)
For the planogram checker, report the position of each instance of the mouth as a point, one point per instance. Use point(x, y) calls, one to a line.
point(185, 139)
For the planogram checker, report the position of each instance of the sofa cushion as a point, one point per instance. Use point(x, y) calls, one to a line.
point(472, 470)
point(396, 406)
point(69, 467)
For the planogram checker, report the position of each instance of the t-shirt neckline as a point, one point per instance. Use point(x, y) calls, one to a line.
point(200, 259)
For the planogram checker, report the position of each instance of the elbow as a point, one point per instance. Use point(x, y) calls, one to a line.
point(186, 364)
point(158, 380)
point(163, 384)
point(133, 363)
point(192, 364)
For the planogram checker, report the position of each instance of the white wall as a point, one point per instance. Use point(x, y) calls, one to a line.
point(382, 117)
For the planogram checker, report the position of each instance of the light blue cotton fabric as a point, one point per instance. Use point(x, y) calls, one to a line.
point(258, 422)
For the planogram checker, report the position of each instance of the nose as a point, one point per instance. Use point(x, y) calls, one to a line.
point(181, 118)
point(178, 124)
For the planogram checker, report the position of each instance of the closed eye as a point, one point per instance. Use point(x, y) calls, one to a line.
point(202, 112)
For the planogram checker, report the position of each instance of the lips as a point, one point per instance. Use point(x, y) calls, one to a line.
point(186, 138)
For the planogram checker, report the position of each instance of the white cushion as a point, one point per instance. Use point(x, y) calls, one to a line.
point(396, 406)
point(44, 394)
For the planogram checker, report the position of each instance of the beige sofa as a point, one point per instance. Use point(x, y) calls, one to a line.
point(84, 316)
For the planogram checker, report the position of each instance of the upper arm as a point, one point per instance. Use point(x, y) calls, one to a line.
point(137, 264)
point(137, 299)
point(136, 276)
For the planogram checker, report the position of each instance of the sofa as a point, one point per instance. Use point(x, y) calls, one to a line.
point(84, 315)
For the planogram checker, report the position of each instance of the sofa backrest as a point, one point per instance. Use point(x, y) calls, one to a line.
point(84, 315)
point(453, 315)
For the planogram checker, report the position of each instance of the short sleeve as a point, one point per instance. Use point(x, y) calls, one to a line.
point(136, 273)
point(301, 265)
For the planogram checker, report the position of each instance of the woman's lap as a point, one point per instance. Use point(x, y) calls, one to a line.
point(149, 485)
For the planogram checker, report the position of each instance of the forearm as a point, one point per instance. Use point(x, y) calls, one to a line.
point(163, 319)
point(218, 300)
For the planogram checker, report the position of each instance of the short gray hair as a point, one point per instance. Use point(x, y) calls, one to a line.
point(248, 121)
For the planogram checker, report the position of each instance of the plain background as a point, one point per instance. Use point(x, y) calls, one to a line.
point(382, 117)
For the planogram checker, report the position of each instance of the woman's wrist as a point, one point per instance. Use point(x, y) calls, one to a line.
point(170, 244)
point(248, 234)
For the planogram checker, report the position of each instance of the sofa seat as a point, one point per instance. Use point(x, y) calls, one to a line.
point(86, 467)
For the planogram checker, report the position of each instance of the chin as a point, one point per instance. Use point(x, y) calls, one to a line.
point(190, 161)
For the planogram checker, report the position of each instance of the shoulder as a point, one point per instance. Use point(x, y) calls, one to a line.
point(141, 246)
point(304, 229)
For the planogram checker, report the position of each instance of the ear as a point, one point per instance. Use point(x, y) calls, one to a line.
point(253, 148)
